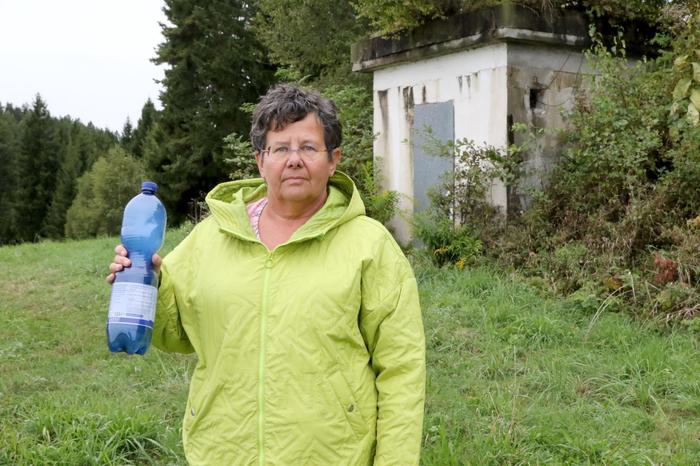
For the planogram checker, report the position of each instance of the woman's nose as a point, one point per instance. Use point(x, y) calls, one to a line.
point(294, 159)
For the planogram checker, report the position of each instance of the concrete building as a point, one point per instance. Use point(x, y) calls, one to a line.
point(472, 77)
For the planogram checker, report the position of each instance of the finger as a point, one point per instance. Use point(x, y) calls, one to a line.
point(115, 267)
point(120, 250)
point(110, 278)
point(157, 261)
point(125, 261)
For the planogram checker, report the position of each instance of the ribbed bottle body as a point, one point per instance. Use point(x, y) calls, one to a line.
point(135, 289)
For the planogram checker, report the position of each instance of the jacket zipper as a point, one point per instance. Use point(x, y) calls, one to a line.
point(261, 362)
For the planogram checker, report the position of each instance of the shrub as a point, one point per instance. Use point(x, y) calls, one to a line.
point(448, 243)
point(461, 218)
point(380, 204)
point(103, 191)
point(617, 223)
point(238, 156)
point(618, 215)
point(463, 194)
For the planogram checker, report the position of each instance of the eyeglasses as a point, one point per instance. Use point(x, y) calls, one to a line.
point(306, 152)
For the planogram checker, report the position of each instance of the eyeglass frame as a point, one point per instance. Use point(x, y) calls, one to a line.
point(298, 151)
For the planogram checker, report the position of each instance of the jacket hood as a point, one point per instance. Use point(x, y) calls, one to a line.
point(227, 203)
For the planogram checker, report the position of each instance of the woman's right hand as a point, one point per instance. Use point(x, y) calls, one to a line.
point(121, 261)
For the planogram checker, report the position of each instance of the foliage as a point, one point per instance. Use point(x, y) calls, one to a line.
point(461, 215)
point(103, 191)
point(38, 163)
point(380, 204)
point(679, 190)
point(133, 139)
point(621, 175)
point(390, 17)
point(42, 158)
point(616, 140)
point(449, 243)
point(126, 138)
point(618, 215)
point(68, 170)
point(353, 97)
point(463, 194)
point(239, 157)
point(310, 37)
point(214, 64)
point(9, 176)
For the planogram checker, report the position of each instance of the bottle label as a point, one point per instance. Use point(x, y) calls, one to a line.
point(132, 303)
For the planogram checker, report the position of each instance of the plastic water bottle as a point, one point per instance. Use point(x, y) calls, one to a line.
point(132, 305)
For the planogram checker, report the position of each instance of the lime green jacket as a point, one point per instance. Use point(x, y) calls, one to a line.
point(310, 354)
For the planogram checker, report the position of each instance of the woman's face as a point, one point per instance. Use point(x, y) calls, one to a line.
point(295, 179)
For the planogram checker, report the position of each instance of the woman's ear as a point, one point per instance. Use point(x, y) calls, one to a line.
point(259, 162)
point(335, 160)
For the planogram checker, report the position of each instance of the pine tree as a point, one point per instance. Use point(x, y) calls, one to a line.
point(80, 145)
point(149, 115)
point(94, 142)
point(38, 165)
point(214, 64)
point(64, 186)
point(127, 137)
point(9, 154)
point(312, 37)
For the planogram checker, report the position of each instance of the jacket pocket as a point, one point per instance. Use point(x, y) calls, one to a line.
point(348, 404)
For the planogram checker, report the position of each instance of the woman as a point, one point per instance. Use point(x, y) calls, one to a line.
point(303, 312)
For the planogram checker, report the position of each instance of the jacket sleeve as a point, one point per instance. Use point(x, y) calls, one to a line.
point(392, 326)
point(168, 331)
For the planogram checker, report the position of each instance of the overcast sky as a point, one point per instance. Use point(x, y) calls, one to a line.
point(89, 59)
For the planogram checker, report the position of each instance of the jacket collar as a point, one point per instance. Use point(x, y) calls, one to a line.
point(227, 204)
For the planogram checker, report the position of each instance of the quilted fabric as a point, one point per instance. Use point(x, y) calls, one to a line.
point(310, 354)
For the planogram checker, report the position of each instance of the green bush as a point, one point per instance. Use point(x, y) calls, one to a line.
point(380, 204)
point(463, 193)
point(448, 243)
point(103, 191)
point(617, 224)
point(389, 17)
point(461, 218)
point(626, 187)
point(239, 157)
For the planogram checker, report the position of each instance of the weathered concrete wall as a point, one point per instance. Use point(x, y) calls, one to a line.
point(543, 82)
point(475, 80)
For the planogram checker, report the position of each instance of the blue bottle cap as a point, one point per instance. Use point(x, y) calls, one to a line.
point(149, 186)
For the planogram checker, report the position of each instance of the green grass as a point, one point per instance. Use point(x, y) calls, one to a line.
point(513, 377)
point(64, 399)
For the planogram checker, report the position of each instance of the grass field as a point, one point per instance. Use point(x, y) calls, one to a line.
point(513, 377)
